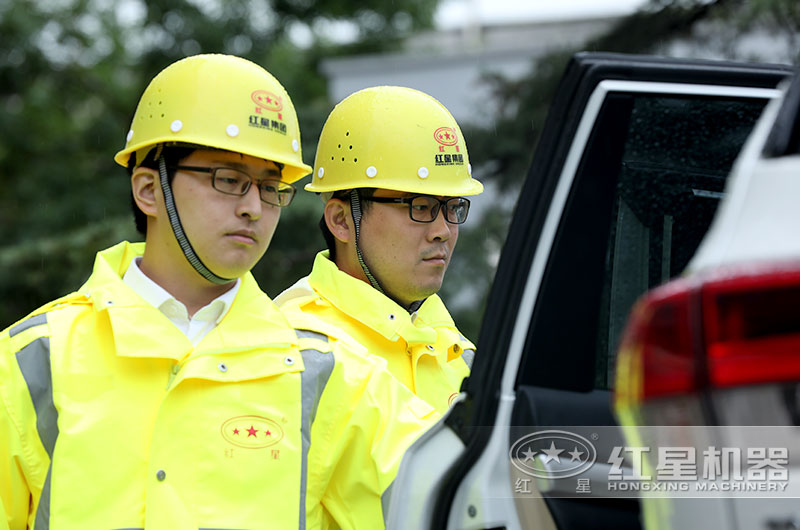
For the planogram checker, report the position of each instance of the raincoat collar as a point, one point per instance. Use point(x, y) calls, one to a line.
point(253, 321)
point(376, 310)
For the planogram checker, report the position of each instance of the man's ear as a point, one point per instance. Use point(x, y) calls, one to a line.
point(143, 185)
point(337, 217)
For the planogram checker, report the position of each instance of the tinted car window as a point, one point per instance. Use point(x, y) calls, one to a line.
point(644, 194)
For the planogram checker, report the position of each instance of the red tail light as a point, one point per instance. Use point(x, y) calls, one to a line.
point(752, 328)
point(737, 327)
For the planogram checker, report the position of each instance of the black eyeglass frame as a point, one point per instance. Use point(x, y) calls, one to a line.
point(434, 213)
point(213, 171)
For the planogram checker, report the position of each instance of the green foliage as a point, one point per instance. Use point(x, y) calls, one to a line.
point(71, 73)
point(502, 152)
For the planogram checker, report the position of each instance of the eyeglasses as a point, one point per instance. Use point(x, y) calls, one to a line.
point(234, 182)
point(425, 209)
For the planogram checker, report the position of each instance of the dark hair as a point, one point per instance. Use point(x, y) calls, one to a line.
point(172, 156)
point(344, 195)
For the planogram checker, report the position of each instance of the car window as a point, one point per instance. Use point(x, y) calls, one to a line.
point(644, 194)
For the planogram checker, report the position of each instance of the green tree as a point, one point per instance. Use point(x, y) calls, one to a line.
point(717, 29)
point(71, 73)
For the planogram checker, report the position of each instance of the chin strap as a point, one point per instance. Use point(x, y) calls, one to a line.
point(177, 229)
point(355, 209)
point(415, 305)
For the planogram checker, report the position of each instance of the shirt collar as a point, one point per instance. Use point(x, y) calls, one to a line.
point(160, 298)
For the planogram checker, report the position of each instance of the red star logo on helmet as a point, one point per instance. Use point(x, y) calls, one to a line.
point(446, 136)
point(267, 100)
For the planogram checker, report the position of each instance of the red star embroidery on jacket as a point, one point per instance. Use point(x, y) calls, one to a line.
point(251, 432)
point(267, 433)
point(236, 431)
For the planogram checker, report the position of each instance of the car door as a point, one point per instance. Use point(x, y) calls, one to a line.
point(626, 177)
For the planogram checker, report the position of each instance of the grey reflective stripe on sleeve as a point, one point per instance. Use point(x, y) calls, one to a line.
point(37, 320)
point(43, 510)
point(34, 363)
point(308, 334)
point(386, 499)
point(318, 368)
point(468, 356)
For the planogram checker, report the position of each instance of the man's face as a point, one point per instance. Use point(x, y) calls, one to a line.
point(229, 233)
point(408, 258)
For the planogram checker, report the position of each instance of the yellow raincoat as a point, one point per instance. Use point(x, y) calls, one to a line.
point(424, 350)
point(110, 418)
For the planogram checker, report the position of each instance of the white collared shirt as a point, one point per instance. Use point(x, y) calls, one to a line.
point(196, 327)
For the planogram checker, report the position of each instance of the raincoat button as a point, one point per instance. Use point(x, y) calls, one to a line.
point(391, 316)
point(161, 475)
point(430, 347)
point(288, 361)
point(222, 367)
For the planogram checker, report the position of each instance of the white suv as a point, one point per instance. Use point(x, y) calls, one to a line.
point(721, 346)
point(627, 175)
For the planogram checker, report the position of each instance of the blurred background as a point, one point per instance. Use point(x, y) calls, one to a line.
point(71, 73)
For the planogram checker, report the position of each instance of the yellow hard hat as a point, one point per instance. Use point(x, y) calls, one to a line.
point(393, 138)
point(218, 101)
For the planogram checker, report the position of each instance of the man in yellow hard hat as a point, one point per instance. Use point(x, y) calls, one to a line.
point(393, 171)
point(169, 392)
